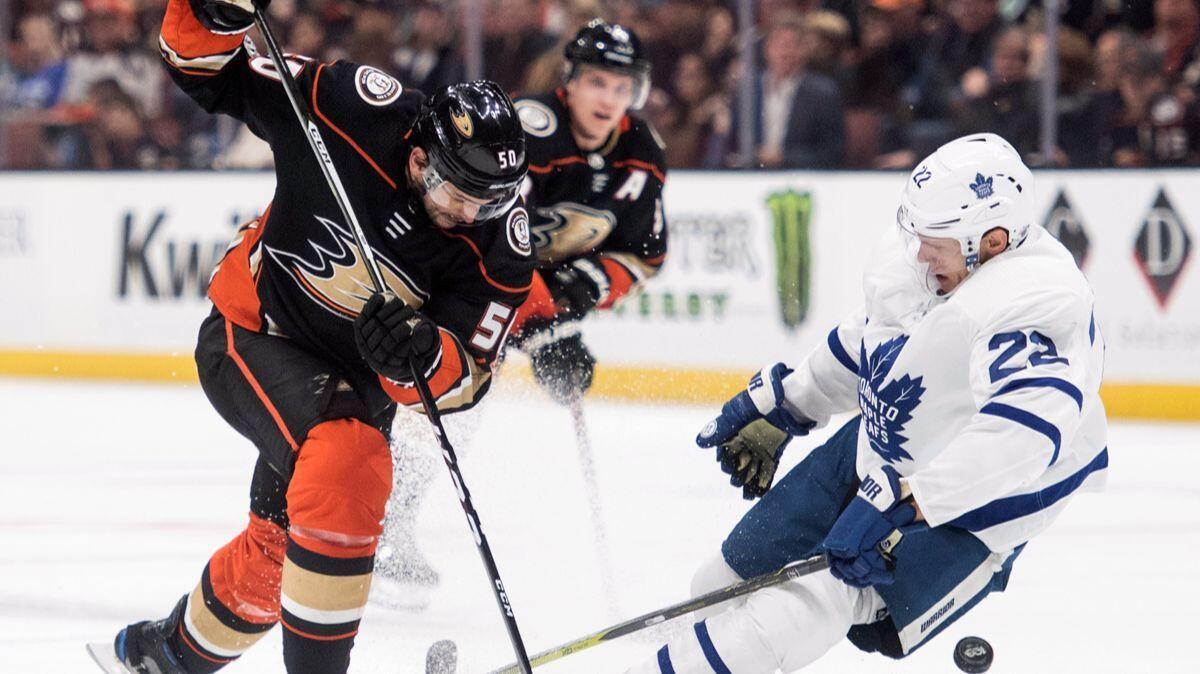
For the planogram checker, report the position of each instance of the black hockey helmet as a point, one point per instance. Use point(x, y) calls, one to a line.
point(613, 47)
point(474, 141)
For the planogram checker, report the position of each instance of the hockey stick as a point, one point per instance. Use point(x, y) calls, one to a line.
point(792, 571)
point(600, 533)
point(427, 400)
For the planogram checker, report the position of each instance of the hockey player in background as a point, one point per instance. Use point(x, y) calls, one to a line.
point(975, 366)
point(596, 175)
point(301, 357)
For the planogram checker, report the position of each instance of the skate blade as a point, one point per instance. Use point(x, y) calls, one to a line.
point(104, 656)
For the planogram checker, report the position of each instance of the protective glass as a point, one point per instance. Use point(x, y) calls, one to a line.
point(909, 244)
point(473, 210)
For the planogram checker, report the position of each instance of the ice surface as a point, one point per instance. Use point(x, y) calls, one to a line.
point(113, 496)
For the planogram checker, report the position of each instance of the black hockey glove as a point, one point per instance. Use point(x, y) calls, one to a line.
point(577, 287)
point(752, 431)
point(390, 334)
point(226, 17)
point(562, 364)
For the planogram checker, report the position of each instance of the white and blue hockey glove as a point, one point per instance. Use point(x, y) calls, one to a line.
point(752, 431)
point(860, 543)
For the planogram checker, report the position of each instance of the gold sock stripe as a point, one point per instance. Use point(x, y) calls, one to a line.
point(321, 598)
point(210, 633)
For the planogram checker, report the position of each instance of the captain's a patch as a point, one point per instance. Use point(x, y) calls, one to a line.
point(375, 86)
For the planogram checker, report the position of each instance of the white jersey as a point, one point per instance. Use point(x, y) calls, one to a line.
point(987, 402)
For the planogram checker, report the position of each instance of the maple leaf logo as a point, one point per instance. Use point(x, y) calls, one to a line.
point(982, 186)
point(887, 407)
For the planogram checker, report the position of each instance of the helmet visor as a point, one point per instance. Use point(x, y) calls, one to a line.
point(467, 208)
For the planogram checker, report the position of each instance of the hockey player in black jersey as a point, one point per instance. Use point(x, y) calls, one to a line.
point(595, 183)
point(304, 359)
point(596, 175)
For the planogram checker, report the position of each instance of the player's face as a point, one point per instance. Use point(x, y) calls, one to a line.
point(598, 100)
point(450, 207)
point(945, 260)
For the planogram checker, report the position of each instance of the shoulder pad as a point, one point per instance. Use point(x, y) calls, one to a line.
point(537, 118)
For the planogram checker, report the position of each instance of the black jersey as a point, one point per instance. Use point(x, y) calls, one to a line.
point(296, 271)
point(605, 203)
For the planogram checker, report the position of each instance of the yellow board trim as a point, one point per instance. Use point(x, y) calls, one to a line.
point(1123, 401)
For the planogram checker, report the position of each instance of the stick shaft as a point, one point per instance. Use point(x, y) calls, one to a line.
point(587, 465)
point(790, 572)
point(481, 544)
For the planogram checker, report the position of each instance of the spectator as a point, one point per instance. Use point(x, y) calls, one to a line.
point(1155, 127)
point(1081, 114)
point(827, 39)
point(679, 28)
point(1001, 98)
point(40, 68)
point(695, 123)
point(958, 45)
point(306, 35)
point(110, 52)
point(720, 39)
point(887, 61)
point(800, 123)
point(372, 35)
point(513, 38)
point(428, 59)
point(115, 135)
point(1177, 37)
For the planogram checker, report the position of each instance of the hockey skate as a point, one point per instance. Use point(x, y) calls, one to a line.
point(142, 648)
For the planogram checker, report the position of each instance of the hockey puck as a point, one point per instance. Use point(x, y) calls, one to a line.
point(973, 654)
point(441, 658)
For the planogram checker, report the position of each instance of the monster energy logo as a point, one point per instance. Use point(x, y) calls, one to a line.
point(791, 212)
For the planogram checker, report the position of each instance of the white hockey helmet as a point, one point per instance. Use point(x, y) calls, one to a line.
point(966, 188)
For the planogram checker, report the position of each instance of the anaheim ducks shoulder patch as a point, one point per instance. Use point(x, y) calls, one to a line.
point(537, 118)
point(518, 231)
point(375, 86)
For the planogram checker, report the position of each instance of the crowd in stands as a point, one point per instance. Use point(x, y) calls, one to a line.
point(836, 83)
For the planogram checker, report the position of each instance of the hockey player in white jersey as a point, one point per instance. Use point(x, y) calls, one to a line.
point(975, 366)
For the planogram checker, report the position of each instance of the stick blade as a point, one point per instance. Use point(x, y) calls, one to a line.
point(442, 658)
point(104, 655)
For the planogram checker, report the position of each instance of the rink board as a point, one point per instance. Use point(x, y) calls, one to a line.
point(103, 275)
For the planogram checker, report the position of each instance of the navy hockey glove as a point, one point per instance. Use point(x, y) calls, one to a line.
point(226, 17)
point(390, 335)
point(752, 431)
point(577, 287)
point(860, 544)
point(562, 364)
